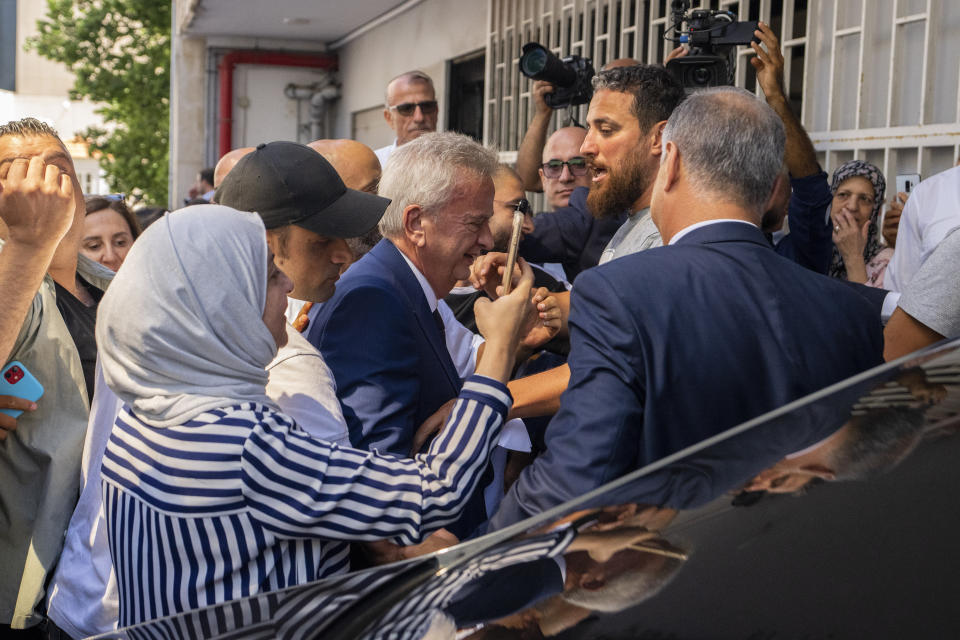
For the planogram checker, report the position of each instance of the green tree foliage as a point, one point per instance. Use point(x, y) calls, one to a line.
point(119, 51)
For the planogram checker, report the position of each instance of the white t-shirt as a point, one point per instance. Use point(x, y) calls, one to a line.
point(383, 153)
point(303, 387)
point(931, 212)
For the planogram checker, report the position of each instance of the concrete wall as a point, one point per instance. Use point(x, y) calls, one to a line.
point(36, 75)
point(43, 92)
point(187, 114)
point(433, 32)
point(268, 114)
point(262, 113)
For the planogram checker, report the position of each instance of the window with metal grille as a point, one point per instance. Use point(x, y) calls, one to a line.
point(871, 79)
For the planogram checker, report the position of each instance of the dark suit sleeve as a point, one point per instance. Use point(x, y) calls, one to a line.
point(373, 357)
point(556, 237)
point(810, 241)
point(875, 296)
point(595, 436)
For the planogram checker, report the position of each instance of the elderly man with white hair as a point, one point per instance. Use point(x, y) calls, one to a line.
point(382, 333)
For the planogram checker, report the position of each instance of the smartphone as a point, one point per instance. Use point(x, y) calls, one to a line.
point(16, 380)
point(518, 216)
point(907, 181)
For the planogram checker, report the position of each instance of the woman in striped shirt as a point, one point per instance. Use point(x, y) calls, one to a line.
point(210, 493)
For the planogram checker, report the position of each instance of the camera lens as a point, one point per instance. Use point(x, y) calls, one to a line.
point(701, 76)
point(533, 61)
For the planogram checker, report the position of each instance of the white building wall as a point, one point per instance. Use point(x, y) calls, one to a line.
point(43, 92)
point(262, 113)
point(425, 37)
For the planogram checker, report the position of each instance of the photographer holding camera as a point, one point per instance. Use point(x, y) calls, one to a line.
point(534, 141)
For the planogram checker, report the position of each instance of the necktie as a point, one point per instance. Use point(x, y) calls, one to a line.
point(439, 320)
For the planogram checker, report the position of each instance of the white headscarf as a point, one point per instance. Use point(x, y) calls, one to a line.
point(180, 331)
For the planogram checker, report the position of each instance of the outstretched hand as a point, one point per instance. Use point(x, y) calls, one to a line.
point(768, 62)
point(891, 218)
point(540, 90)
point(502, 319)
point(677, 52)
point(486, 273)
point(542, 322)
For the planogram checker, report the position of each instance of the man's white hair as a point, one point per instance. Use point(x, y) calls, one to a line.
point(426, 172)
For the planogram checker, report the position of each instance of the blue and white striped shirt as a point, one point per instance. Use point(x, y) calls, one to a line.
point(241, 501)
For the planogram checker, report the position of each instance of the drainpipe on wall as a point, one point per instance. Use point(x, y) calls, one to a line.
point(265, 58)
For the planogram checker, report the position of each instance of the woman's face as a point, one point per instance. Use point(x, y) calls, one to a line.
point(855, 195)
point(278, 286)
point(106, 238)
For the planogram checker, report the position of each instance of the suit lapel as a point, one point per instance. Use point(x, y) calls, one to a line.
point(407, 282)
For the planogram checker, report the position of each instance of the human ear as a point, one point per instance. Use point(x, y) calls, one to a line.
point(413, 225)
point(656, 138)
point(670, 165)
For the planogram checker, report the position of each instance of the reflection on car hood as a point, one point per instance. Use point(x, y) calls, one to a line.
point(684, 560)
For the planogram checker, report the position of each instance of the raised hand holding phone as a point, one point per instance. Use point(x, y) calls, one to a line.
point(518, 216)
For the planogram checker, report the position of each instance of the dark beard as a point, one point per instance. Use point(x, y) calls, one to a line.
point(501, 241)
point(621, 189)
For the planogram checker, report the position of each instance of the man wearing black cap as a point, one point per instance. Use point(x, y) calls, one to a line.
point(309, 213)
point(307, 210)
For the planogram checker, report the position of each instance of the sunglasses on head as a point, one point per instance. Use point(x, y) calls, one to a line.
point(428, 107)
point(553, 168)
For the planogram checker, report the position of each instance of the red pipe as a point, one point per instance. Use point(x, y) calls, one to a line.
point(270, 58)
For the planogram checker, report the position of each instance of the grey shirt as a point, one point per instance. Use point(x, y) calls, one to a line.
point(40, 461)
point(638, 233)
point(933, 295)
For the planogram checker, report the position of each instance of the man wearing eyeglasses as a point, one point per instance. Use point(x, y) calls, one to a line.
point(410, 109)
point(564, 168)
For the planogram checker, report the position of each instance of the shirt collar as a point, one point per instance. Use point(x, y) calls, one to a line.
point(705, 223)
point(427, 289)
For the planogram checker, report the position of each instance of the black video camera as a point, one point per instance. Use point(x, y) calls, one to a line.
point(713, 37)
point(570, 76)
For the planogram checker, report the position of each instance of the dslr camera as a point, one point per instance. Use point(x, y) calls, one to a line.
point(570, 76)
point(713, 37)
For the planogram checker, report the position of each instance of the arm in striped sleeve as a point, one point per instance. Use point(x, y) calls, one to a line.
point(299, 487)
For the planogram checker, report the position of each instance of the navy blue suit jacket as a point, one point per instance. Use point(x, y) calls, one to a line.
point(675, 344)
point(570, 236)
point(388, 357)
point(810, 241)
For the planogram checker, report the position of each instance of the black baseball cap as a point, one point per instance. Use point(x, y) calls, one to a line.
point(289, 183)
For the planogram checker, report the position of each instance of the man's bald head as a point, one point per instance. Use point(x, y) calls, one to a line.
point(227, 163)
point(356, 163)
point(564, 143)
point(359, 169)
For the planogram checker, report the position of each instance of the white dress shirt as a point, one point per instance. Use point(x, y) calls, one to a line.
point(463, 345)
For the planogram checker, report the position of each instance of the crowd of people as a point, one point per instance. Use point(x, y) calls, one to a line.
point(318, 365)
